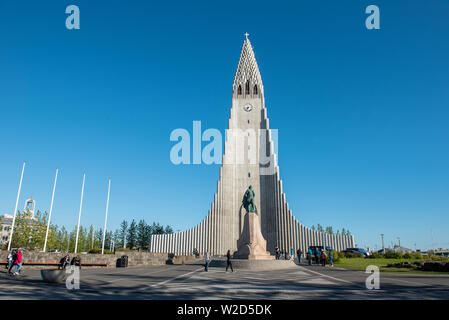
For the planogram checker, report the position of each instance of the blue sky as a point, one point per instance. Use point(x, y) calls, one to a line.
point(362, 114)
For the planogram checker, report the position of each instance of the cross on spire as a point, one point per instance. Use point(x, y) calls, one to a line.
point(246, 35)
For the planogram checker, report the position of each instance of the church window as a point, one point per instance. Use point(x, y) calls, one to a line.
point(255, 89)
point(239, 90)
point(247, 87)
point(249, 175)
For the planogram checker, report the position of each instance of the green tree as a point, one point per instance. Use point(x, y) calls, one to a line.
point(320, 228)
point(54, 238)
point(168, 230)
point(116, 238)
point(29, 232)
point(90, 237)
point(142, 235)
point(64, 239)
point(329, 230)
point(157, 228)
point(132, 235)
point(107, 239)
point(123, 232)
point(98, 238)
point(71, 240)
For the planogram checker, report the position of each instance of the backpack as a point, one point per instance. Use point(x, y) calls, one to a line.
point(14, 256)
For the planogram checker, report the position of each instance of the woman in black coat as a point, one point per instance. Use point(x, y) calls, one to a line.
point(228, 261)
point(76, 261)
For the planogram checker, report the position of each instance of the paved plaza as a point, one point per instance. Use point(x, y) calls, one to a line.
point(191, 282)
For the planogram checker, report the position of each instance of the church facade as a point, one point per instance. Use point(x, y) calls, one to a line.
point(249, 159)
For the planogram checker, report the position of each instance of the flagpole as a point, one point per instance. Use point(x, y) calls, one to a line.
point(15, 209)
point(106, 217)
point(51, 209)
point(79, 213)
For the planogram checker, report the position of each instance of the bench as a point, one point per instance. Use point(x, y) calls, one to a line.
point(56, 264)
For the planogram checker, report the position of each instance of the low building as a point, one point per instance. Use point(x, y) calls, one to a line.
point(441, 252)
point(402, 250)
point(395, 248)
point(5, 230)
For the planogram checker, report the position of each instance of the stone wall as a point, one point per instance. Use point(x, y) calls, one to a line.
point(134, 258)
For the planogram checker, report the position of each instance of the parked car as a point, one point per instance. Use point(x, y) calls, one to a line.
point(357, 250)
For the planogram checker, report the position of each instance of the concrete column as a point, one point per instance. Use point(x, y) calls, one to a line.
point(282, 225)
point(201, 239)
point(186, 242)
point(220, 217)
point(190, 241)
point(160, 242)
point(195, 237)
point(175, 244)
point(305, 236)
point(276, 214)
point(209, 232)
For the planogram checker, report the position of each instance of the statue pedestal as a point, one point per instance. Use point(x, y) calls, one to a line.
point(252, 245)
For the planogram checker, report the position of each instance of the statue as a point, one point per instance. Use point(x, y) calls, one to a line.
point(251, 244)
point(248, 200)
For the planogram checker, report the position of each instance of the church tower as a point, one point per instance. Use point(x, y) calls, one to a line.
point(249, 159)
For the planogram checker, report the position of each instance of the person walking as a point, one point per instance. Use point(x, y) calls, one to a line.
point(18, 262)
point(318, 256)
point(331, 258)
point(11, 259)
point(299, 253)
point(277, 253)
point(228, 261)
point(323, 258)
point(13, 262)
point(64, 262)
point(76, 261)
point(309, 256)
point(206, 260)
point(61, 262)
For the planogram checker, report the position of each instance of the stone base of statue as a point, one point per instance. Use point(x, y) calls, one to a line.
point(252, 245)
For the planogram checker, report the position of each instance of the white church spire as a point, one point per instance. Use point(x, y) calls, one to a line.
point(247, 74)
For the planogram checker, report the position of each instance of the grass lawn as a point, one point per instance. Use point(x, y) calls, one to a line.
point(362, 263)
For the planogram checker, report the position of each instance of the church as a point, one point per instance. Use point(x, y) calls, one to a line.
point(249, 159)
